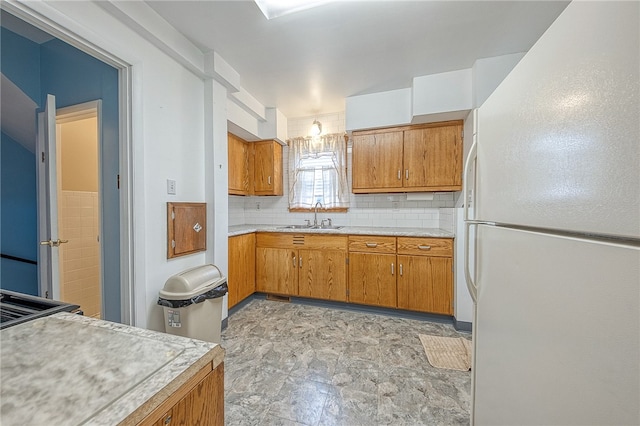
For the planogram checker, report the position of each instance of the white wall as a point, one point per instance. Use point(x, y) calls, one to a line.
point(431, 98)
point(488, 73)
point(378, 109)
point(444, 92)
point(168, 142)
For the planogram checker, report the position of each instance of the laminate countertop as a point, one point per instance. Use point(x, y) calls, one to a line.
point(70, 369)
point(346, 230)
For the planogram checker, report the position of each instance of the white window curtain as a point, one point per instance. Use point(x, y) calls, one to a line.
point(318, 172)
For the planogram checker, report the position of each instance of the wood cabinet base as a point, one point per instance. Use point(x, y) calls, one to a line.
point(200, 401)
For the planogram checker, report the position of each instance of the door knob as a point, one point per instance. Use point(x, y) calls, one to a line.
point(55, 243)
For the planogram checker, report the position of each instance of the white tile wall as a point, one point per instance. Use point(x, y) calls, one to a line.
point(447, 219)
point(80, 258)
point(365, 210)
point(236, 210)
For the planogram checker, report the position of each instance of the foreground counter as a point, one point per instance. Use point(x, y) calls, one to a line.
point(69, 369)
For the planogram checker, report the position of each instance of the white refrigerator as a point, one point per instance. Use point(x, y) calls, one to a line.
point(554, 183)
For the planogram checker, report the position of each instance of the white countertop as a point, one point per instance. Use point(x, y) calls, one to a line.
point(347, 230)
point(70, 369)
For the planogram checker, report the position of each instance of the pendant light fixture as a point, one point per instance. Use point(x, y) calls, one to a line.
point(316, 128)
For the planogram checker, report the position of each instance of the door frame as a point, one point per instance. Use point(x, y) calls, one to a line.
point(128, 299)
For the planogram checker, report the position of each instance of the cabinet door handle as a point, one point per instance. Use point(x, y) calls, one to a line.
point(421, 247)
point(269, 180)
point(392, 269)
point(294, 262)
point(399, 175)
point(167, 420)
point(372, 245)
point(300, 262)
point(401, 269)
point(406, 174)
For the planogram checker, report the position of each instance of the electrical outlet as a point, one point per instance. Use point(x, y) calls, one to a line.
point(395, 205)
point(171, 187)
point(257, 206)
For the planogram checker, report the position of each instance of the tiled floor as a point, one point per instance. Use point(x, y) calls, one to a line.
point(290, 364)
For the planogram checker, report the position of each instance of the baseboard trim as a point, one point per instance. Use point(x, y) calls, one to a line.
point(462, 325)
point(390, 312)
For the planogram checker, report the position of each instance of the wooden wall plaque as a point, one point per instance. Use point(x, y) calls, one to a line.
point(186, 228)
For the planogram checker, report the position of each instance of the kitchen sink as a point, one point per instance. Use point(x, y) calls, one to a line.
point(309, 227)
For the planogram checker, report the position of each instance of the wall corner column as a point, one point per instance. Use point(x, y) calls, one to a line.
point(216, 177)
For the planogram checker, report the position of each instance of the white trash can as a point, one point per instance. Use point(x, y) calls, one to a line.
point(192, 303)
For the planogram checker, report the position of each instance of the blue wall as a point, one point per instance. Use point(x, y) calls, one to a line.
point(20, 59)
point(19, 217)
point(73, 77)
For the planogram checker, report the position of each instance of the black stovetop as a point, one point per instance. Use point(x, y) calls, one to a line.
point(16, 308)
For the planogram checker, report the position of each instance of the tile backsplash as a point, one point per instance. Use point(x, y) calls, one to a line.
point(365, 210)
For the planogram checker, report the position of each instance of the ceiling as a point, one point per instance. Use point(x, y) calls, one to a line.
point(308, 62)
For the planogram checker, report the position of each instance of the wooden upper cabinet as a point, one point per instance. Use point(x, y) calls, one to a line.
point(377, 161)
point(426, 157)
point(433, 158)
point(238, 150)
point(267, 168)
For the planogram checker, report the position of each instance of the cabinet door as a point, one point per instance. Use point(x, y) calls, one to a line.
point(267, 174)
point(322, 274)
point(242, 268)
point(425, 284)
point(433, 158)
point(203, 405)
point(277, 271)
point(238, 152)
point(372, 279)
point(377, 162)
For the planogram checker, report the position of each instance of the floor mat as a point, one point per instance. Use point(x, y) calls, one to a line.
point(453, 353)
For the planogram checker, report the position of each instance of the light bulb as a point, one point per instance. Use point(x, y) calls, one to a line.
point(316, 128)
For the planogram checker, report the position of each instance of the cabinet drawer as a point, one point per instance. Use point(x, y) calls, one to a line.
point(372, 244)
point(425, 246)
point(293, 241)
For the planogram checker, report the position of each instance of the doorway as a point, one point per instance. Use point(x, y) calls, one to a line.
point(75, 71)
point(79, 223)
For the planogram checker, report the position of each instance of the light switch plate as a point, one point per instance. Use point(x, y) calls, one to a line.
point(171, 187)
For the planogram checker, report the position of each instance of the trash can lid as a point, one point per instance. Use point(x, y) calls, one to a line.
point(192, 282)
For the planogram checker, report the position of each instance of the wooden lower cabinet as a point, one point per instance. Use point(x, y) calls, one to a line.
point(241, 277)
point(425, 284)
point(372, 279)
point(199, 404)
point(277, 271)
point(405, 272)
point(322, 274)
point(302, 265)
point(425, 274)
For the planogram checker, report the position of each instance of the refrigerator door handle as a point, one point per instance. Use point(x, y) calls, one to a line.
point(471, 285)
point(468, 223)
point(468, 166)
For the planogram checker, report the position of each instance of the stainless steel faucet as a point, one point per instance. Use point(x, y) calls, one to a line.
point(315, 214)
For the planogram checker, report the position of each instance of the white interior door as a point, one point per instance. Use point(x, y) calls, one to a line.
point(48, 255)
